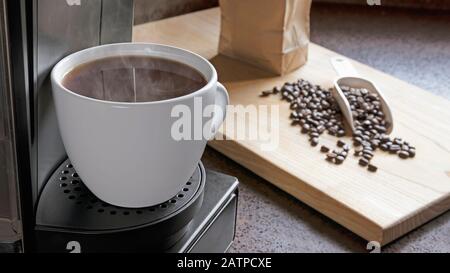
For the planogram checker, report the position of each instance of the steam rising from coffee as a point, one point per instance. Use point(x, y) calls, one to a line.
point(133, 79)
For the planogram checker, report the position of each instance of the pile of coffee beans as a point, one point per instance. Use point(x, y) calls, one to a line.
point(371, 127)
point(336, 156)
point(313, 108)
point(316, 112)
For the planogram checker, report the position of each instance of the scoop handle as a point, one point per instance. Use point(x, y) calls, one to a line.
point(343, 67)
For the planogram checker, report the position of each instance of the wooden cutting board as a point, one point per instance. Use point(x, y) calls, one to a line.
point(379, 206)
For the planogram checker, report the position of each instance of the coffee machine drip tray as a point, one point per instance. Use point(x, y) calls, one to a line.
point(67, 210)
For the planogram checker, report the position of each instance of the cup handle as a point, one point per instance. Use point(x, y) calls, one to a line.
point(222, 101)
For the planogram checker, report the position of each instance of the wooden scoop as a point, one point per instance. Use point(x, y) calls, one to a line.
point(348, 76)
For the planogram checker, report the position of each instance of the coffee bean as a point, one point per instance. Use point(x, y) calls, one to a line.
point(314, 123)
point(324, 149)
point(331, 155)
point(314, 141)
point(363, 162)
point(320, 129)
point(381, 129)
point(394, 148)
point(412, 152)
point(265, 93)
point(287, 87)
point(375, 142)
point(368, 149)
point(372, 168)
point(403, 154)
point(336, 152)
point(346, 148)
point(306, 128)
point(325, 103)
point(367, 123)
point(339, 159)
point(340, 143)
point(398, 141)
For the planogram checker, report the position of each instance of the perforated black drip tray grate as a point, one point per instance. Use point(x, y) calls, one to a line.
point(67, 203)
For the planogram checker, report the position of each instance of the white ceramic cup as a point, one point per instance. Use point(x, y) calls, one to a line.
point(125, 153)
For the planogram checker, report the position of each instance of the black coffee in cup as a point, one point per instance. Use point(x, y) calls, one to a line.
point(133, 79)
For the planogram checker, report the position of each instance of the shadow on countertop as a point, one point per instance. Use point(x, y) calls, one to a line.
point(270, 220)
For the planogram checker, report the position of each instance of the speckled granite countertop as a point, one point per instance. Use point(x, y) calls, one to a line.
point(411, 45)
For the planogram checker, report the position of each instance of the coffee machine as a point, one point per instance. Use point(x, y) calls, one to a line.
point(44, 205)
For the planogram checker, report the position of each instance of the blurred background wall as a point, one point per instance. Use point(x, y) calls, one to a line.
point(421, 4)
point(150, 10)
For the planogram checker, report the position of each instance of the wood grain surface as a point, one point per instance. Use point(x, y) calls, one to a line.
point(381, 206)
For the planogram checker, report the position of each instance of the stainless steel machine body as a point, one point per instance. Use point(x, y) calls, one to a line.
point(34, 36)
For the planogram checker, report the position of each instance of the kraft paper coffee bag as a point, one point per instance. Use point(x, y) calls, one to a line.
point(271, 34)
